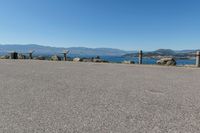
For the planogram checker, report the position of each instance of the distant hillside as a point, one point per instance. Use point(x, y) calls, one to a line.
point(165, 52)
point(96, 51)
point(162, 52)
point(47, 50)
point(83, 51)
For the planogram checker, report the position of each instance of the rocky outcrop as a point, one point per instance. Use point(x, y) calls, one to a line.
point(167, 62)
point(87, 60)
point(77, 59)
point(128, 62)
point(5, 57)
point(55, 58)
point(39, 58)
point(97, 60)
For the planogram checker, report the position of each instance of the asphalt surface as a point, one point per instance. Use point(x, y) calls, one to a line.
point(67, 97)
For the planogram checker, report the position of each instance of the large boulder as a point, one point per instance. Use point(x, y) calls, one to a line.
point(77, 59)
point(5, 57)
point(167, 62)
point(98, 59)
point(128, 62)
point(55, 58)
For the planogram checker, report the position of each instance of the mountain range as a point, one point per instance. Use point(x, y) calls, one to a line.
point(47, 50)
point(83, 51)
point(181, 54)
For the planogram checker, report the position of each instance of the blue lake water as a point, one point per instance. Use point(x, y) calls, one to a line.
point(119, 59)
point(145, 60)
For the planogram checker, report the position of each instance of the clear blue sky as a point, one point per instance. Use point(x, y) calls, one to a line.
point(124, 24)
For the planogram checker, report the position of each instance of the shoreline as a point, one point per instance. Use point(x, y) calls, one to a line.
point(100, 63)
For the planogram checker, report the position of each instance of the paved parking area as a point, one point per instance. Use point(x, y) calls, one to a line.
point(59, 97)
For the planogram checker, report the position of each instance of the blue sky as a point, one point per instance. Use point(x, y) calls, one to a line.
point(123, 24)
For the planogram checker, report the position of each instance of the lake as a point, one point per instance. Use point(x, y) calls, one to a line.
point(145, 60)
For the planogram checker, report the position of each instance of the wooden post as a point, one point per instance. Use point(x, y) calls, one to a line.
point(13, 55)
point(65, 56)
point(198, 59)
point(140, 56)
point(65, 52)
point(30, 56)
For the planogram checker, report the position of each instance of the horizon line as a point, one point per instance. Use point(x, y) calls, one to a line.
point(25, 44)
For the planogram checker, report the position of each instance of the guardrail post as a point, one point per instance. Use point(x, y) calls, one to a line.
point(65, 56)
point(140, 56)
point(198, 59)
point(30, 56)
point(13, 55)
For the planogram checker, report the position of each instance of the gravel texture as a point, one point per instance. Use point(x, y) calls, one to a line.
point(67, 97)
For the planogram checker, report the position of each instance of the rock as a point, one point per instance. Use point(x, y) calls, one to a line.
point(55, 58)
point(5, 57)
point(87, 60)
point(77, 59)
point(97, 57)
point(171, 63)
point(128, 62)
point(39, 58)
point(167, 62)
point(97, 60)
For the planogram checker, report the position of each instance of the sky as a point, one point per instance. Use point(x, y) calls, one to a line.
point(123, 24)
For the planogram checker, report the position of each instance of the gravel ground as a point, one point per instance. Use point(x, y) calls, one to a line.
point(59, 97)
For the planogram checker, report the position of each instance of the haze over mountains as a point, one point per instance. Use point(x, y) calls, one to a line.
point(83, 51)
point(47, 50)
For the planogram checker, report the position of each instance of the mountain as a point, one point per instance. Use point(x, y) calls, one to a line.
point(165, 52)
point(83, 51)
point(47, 50)
point(96, 51)
point(187, 51)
